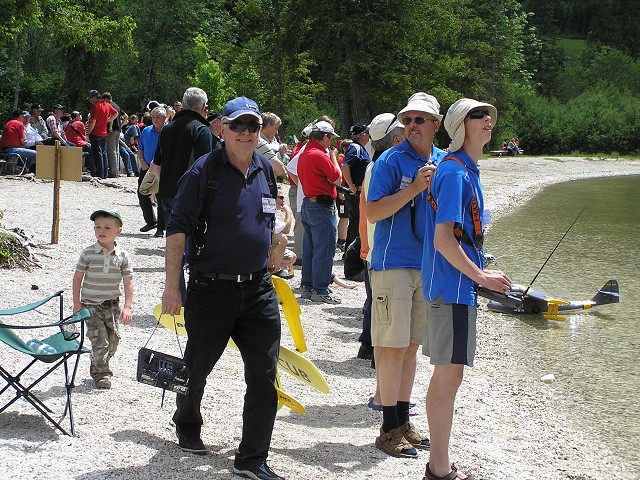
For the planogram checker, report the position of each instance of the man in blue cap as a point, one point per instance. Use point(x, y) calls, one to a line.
point(224, 213)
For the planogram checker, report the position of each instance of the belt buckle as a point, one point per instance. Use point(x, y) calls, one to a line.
point(239, 279)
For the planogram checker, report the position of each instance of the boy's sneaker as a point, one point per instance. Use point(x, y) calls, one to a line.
point(261, 472)
point(103, 383)
point(326, 298)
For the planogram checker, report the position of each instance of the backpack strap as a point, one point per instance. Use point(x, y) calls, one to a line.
point(213, 165)
point(461, 235)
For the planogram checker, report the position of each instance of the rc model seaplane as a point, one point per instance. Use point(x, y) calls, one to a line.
point(526, 300)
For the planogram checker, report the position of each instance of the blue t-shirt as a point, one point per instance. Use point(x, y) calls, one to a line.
point(132, 131)
point(148, 143)
point(452, 190)
point(396, 244)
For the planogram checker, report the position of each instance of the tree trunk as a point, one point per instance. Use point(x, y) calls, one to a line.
point(16, 96)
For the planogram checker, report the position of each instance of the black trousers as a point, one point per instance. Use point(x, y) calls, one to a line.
point(145, 202)
point(247, 312)
point(353, 201)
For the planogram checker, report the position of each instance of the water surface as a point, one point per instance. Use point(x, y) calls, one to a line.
point(594, 355)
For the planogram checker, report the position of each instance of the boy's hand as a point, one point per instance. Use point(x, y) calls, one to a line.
point(125, 315)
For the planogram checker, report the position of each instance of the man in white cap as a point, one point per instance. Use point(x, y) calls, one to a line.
point(452, 269)
point(319, 174)
point(396, 203)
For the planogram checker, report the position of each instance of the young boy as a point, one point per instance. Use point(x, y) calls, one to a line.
point(96, 285)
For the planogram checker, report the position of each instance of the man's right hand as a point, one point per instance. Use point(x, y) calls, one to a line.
point(171, 301)
point(422, 177)
point(496, 280)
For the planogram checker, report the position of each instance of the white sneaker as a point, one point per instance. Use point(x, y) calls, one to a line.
point(328, 298)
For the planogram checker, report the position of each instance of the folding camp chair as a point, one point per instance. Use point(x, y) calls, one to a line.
point(60, 350)
point(9, 163)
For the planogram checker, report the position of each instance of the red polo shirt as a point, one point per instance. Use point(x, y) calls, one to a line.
point(316, 171)
point(12, 133)
point(100, 112)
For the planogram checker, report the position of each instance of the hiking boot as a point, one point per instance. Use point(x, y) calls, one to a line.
point(260, 472)
point(326, 298)
point(159, 234)
point(414, 437)
point(394, 443)
point(103, 383)
point(191, 443)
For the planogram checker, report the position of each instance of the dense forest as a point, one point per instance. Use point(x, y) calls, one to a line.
point(564, 74)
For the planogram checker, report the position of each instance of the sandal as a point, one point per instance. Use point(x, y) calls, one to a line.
point(452, 475)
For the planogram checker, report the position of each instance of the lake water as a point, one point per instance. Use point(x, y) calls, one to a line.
point(595, 356)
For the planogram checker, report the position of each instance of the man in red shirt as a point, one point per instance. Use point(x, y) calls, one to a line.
point(318, 173)
point(77, 134)
point(14, 139)
point(101, 114)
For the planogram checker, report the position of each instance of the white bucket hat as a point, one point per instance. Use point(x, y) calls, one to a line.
point(454, 121)
point(422, 102)
point(382, 124)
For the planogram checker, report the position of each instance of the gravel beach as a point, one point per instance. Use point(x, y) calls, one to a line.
point(505, 426)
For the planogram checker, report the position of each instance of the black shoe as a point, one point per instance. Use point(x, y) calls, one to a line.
point(191, 444)
point(282, 273)
point(365, 352)
point(261, 472)
point(159, 234)
point(148, 226)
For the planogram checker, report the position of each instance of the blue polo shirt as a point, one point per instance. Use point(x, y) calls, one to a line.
point(396, 244)
point(238, 237)
point(451, 189)
point(148, 143)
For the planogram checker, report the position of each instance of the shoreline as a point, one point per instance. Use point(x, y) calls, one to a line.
point(506, 425)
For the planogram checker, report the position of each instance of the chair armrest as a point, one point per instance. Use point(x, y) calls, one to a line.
point(31, 306)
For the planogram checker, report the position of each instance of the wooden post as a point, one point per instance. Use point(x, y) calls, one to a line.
point(55, 228)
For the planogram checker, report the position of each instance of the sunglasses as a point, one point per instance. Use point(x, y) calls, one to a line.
point(419, 120)
point(239, 127)
point(478, 114)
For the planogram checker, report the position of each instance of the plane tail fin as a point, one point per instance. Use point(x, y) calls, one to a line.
point(609, 293)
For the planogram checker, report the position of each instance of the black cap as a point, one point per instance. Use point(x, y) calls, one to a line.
point(211, 116)
point(37, 105)
point(358, 128)
point(58, 107)
point(94, 94)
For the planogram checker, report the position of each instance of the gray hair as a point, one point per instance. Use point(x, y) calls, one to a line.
point(386, 142)
point(194, 98)
point(159, 111)
point(269, 118)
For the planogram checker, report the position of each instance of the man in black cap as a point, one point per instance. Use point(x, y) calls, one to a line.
point(215, 127)
point(356, 159)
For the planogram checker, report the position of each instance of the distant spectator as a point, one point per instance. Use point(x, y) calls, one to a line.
point(77, 134)
point(56, 129)
point(282, 258)
point(268, 144)
point(215, 126)
point(113, 136)
point(39, 123)
point(101, 114)
point(14, 140)
point(132, 133)
point(31, 134)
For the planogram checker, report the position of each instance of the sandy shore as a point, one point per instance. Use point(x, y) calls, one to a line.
point(506, 426)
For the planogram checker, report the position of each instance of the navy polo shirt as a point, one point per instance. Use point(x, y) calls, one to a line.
point(357, 158)
point(238, 237)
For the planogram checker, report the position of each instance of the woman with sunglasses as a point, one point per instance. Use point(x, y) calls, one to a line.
point(452, 269)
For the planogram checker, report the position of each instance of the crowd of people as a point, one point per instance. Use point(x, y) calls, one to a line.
point(412, 212)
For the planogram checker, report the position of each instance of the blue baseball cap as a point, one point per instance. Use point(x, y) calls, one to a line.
point(241, 106)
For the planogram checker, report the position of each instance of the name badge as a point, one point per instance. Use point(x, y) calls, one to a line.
point(405, 182)
point(268, 205)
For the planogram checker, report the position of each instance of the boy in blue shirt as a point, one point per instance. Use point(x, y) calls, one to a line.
point(452, 269)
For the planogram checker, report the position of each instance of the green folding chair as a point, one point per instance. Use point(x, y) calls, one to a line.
point(61, 349)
